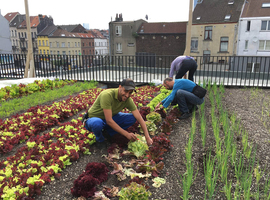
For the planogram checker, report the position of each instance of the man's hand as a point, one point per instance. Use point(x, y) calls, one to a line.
point(131, 136)
point(149, 141)
point(158, 107)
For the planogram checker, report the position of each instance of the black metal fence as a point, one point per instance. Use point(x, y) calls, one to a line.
point(143, 68)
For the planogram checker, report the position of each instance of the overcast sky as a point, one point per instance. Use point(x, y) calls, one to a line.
point(99, 13)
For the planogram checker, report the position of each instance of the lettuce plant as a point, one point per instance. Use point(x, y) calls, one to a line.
point(151, 127)
point(134, 191)
point(138, 147)
point(154, 117)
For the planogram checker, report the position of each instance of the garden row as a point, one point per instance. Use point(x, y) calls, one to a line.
point(45, 156)
point(230, 167)
point(14, 91)
point(15, 105)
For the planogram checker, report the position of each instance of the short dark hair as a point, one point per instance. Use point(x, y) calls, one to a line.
point(169, 79)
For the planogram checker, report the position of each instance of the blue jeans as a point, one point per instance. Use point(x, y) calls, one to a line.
point(97, 125)
point(186, 100)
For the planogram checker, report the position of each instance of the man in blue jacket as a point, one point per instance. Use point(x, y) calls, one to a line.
point(182, 94)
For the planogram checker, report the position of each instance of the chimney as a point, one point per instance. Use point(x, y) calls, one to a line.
point(40, 17)
point(116, 18)
point(120, 17)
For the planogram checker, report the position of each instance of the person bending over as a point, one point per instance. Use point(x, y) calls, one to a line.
point(182, 94)
point(105, 113)
point(183, 64)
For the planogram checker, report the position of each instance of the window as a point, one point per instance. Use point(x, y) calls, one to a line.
point(264, 45)
point(248, 25)
point(50, 44)
point(246, 44)
point(118, 30)
point(75, 44)
point(43, 44)
point(58, 52)
point(224, 44)
point(118, 48)
point(64, 52)
point(89, 44)
point(57, 44)
point(78, 44)
point(83, 44)
point(206, 56)
point(47, 52)
point(51, 52)
point(44, 52)
point(265, 25)
point(40, 51)
point(208, 33)
point(130, 45)
point(15, 33)
point(46, 42)
point(63, 44)
point(194, 44)
point(227, 17)
point(39, 43)
point(266, 5)
point(12, 33)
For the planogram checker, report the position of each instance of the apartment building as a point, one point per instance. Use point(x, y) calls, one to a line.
point(214, 29)
point(123, 36)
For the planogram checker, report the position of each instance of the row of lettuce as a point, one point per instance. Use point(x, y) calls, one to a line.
point(14, 91)
point(40, 96)
point(43, 157)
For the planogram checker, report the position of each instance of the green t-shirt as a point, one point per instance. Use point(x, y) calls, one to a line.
point(108, 99)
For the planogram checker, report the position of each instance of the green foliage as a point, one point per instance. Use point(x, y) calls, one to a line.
point(151, 127)
point(154, 117)
point(16, 105)
point(134, 191)
point(138, 147)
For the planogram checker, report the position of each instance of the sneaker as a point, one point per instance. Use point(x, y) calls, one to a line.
point(185, 115)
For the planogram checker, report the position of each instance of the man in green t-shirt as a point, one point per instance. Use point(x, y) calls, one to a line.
point(105, 113)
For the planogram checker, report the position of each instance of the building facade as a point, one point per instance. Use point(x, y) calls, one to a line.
point(214, 29)
point(5, 41)
point(62, 42)
point(254, 29)
point(123, 36)
point(162, 38)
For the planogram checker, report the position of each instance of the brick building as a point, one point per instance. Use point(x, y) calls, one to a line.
point(162, 38)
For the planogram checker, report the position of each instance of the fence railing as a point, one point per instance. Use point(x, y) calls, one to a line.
point(143, 68)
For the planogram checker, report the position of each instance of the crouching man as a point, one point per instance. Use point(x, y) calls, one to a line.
point(182, 95)
point(105, 113)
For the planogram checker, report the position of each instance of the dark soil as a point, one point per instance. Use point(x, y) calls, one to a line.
point(247, 104)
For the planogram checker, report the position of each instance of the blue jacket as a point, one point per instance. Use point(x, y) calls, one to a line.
point(183, 84)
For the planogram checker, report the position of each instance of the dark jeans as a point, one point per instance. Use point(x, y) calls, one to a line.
point(96, 125)
point(186, 100)
point(187, 65)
